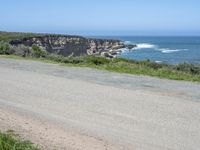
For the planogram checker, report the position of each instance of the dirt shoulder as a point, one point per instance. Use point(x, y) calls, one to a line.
point(47, 135)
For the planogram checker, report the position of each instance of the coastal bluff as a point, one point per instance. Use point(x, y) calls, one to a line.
point(68, 45)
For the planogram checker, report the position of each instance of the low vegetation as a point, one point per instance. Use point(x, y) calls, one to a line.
point(38, 52)
point(10, 141)
point(4, 47)
point(8, 36)
point(184, 71)
point(188, 72)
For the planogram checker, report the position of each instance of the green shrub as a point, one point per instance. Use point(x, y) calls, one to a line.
point(119, 59)
point(154, 65)
point(38, 52)
point(22, 50)
point(76, 60)
point(66, 60)
point(97, 60)
point(188, 68)
point(9, 141)
point(56, 58)
point(4, 48)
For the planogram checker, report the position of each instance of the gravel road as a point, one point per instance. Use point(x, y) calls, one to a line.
point(72, 108)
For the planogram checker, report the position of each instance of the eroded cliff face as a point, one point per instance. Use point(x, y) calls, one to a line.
point(73, 45)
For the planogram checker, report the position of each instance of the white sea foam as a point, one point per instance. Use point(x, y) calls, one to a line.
point(150, 46)
point(167, 50)
point(124, 50)
point(144, 46)
point(158, 61)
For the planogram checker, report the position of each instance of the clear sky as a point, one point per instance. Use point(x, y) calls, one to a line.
point(102, 17)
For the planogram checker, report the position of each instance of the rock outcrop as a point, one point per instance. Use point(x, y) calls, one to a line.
point(74, 45)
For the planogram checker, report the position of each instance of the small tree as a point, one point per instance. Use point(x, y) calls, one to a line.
point(38, 52)
point(4, 48)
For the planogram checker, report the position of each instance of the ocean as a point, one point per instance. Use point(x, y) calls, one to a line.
point(171, 50)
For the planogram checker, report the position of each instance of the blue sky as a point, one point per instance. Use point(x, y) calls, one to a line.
point(102, 17)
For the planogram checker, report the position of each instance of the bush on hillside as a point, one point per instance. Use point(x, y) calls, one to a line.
point(55, 57)
point(188, 68)
point(4, 48)
point(154, 65)
point(97, 60)
point(21, 50)
point(119, 59)
point(38, 52)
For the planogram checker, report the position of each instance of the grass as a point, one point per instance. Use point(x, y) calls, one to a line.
point(10, 141)
point(9, 36)
point(187, 72)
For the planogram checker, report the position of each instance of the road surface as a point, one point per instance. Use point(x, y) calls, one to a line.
point(70, 108)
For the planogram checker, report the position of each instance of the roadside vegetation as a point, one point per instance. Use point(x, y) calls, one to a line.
point(188, 72)
point(10, 141)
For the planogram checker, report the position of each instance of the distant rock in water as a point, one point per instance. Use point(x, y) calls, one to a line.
point(131, 46)
point(67, 45)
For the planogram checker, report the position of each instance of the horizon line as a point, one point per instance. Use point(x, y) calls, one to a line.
point(105, 35)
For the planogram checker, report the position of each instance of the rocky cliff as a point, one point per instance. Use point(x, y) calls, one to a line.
point(73, 45)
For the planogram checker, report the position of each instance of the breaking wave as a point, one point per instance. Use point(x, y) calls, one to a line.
point(151, 46)
point(155, 47)
point(145, 46)
point(123, 50)
point(167, 50)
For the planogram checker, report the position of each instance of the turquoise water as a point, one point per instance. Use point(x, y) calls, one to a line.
point(172, 50)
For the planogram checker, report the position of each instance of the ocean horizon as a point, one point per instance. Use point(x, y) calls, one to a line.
point(161, 49)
